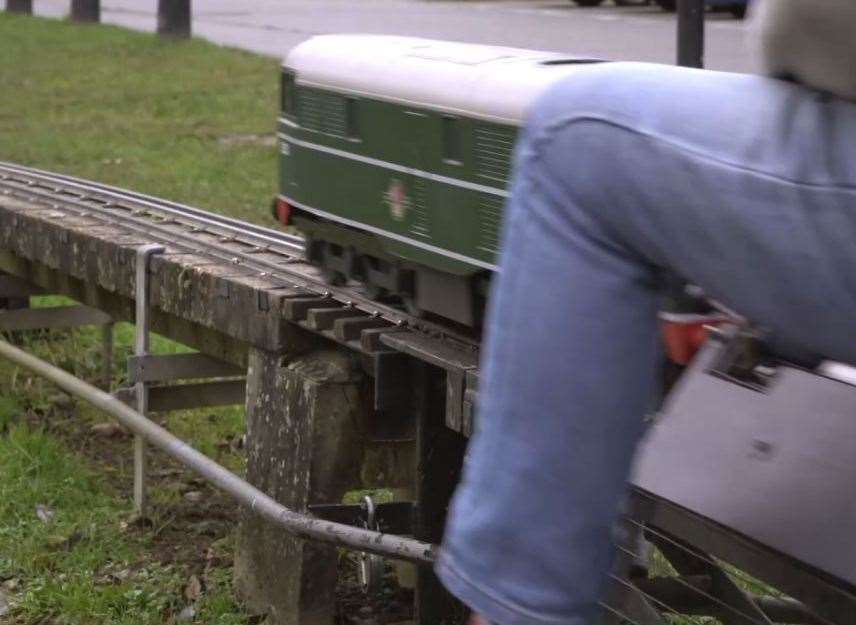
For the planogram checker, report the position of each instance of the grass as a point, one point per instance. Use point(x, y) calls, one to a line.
point(184, 120)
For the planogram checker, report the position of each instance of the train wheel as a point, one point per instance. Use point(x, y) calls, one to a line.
point(333, 277)
point(589, 3)
point(373, 291)
point(412, 307)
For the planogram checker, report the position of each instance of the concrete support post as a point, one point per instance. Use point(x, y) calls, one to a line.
point(303, 447)
point(20, 6)
point(86, 11)
point(174, 18)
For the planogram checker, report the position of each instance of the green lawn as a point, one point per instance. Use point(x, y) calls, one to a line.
point(188, 121)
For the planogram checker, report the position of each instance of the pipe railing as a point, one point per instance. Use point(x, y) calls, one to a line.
point(301, 525)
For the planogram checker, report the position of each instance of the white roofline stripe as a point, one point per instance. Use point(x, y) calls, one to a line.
point(392, 235)
point(427, 175)
point(509, 121)
point(490, 83)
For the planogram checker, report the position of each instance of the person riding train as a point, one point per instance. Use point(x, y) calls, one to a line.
point(744, 185)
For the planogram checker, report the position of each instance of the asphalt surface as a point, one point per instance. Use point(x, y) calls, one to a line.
point(272, 27)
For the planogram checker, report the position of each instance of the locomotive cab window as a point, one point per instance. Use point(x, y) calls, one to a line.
point(452, 150)
point(286, 94)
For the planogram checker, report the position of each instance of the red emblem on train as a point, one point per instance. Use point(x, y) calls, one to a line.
point(397, 200)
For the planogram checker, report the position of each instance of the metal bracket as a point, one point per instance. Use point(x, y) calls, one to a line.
point(392, 518)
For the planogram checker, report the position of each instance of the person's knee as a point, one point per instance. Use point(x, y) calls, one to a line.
point(597, 90)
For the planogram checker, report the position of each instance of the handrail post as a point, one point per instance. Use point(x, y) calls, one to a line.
point(86, 11)
point(174, 18)
point(691, 33)
point(141, 349)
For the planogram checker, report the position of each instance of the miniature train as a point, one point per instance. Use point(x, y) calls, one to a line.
point(394, 158)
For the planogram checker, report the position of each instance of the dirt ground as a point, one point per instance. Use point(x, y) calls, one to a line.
point(192, 525)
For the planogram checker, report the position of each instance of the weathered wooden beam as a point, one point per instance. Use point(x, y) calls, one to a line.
point(54, 317)
point(174, 18)
point(86, 11)
point(121, 308)
point(440, 458)
point(15, 288)
point(169, 367)
point(189, 396)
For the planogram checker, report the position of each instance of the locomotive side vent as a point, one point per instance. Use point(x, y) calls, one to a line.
point(421, 226)
point(493, 147)
point(490, 217)
point(323, 112)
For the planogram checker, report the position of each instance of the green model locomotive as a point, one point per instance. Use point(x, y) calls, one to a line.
point(394, 158)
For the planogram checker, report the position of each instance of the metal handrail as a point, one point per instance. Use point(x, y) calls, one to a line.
point(301, 525)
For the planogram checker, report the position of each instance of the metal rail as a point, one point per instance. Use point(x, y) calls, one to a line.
point(183, 227)
point(289, 242)
point(302, 525)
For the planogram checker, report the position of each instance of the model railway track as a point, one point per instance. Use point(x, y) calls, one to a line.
point(273, 254)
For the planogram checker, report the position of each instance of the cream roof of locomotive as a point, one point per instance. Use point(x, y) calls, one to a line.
point(486, 82)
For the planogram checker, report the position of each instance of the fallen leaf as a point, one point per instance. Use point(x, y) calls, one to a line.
point(109, 429)
point(193, 590)
point(187, 614)
point(166, 472)
point(12, 584)
point(193, 496)
point(64, 541)
point(136, 520)
point(44, 513)
point(208, 527)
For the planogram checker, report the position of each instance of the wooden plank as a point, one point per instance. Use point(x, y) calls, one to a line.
point(13, 287)
point(349, 328)
point(435, 351)
point(189, 396)
point(166, 367)
point(298, 308)
point(324, 318)
point(54, 317)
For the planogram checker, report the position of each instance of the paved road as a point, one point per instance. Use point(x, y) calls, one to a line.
point(274, 26)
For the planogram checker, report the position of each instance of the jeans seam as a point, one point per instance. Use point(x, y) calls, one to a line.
point(549, 132)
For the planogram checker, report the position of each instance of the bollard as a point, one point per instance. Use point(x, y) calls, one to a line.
point(691, 33)
point(20, 6)
point(86, 11)
point(174, 18)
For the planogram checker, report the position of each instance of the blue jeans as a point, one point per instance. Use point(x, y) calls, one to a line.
point(742, 185)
